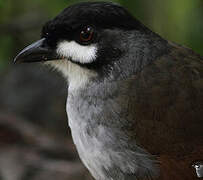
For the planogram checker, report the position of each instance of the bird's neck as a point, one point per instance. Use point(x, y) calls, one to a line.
point(140, 51)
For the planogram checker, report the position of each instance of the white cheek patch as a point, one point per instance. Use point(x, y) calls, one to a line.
point(77, 52)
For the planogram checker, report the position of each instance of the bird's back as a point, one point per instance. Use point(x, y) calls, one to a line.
point(166, 109)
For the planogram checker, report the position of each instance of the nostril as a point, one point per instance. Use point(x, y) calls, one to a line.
point(44, 44)
point(49, 43)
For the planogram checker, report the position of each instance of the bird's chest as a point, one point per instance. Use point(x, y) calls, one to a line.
point(89, 137)
point(103, 146)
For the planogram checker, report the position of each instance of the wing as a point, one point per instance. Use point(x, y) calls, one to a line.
point(165, 110)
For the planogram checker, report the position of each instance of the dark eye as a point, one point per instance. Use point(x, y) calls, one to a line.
point(86, 34)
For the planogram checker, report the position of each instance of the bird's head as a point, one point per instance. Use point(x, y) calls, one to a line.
point(87, 40)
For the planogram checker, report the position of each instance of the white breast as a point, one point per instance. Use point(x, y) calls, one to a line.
point(99, 147)
point(90, 149)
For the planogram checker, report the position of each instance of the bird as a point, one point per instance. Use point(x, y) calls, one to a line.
point(135, 99)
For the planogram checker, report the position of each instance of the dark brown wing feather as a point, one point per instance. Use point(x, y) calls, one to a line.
point(166, 109)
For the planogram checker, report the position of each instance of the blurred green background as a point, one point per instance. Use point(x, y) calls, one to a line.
point(35, 141)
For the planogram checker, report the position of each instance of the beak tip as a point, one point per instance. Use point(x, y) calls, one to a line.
point(17, 60)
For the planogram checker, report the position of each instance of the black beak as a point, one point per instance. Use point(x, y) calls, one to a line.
point(36, 52)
